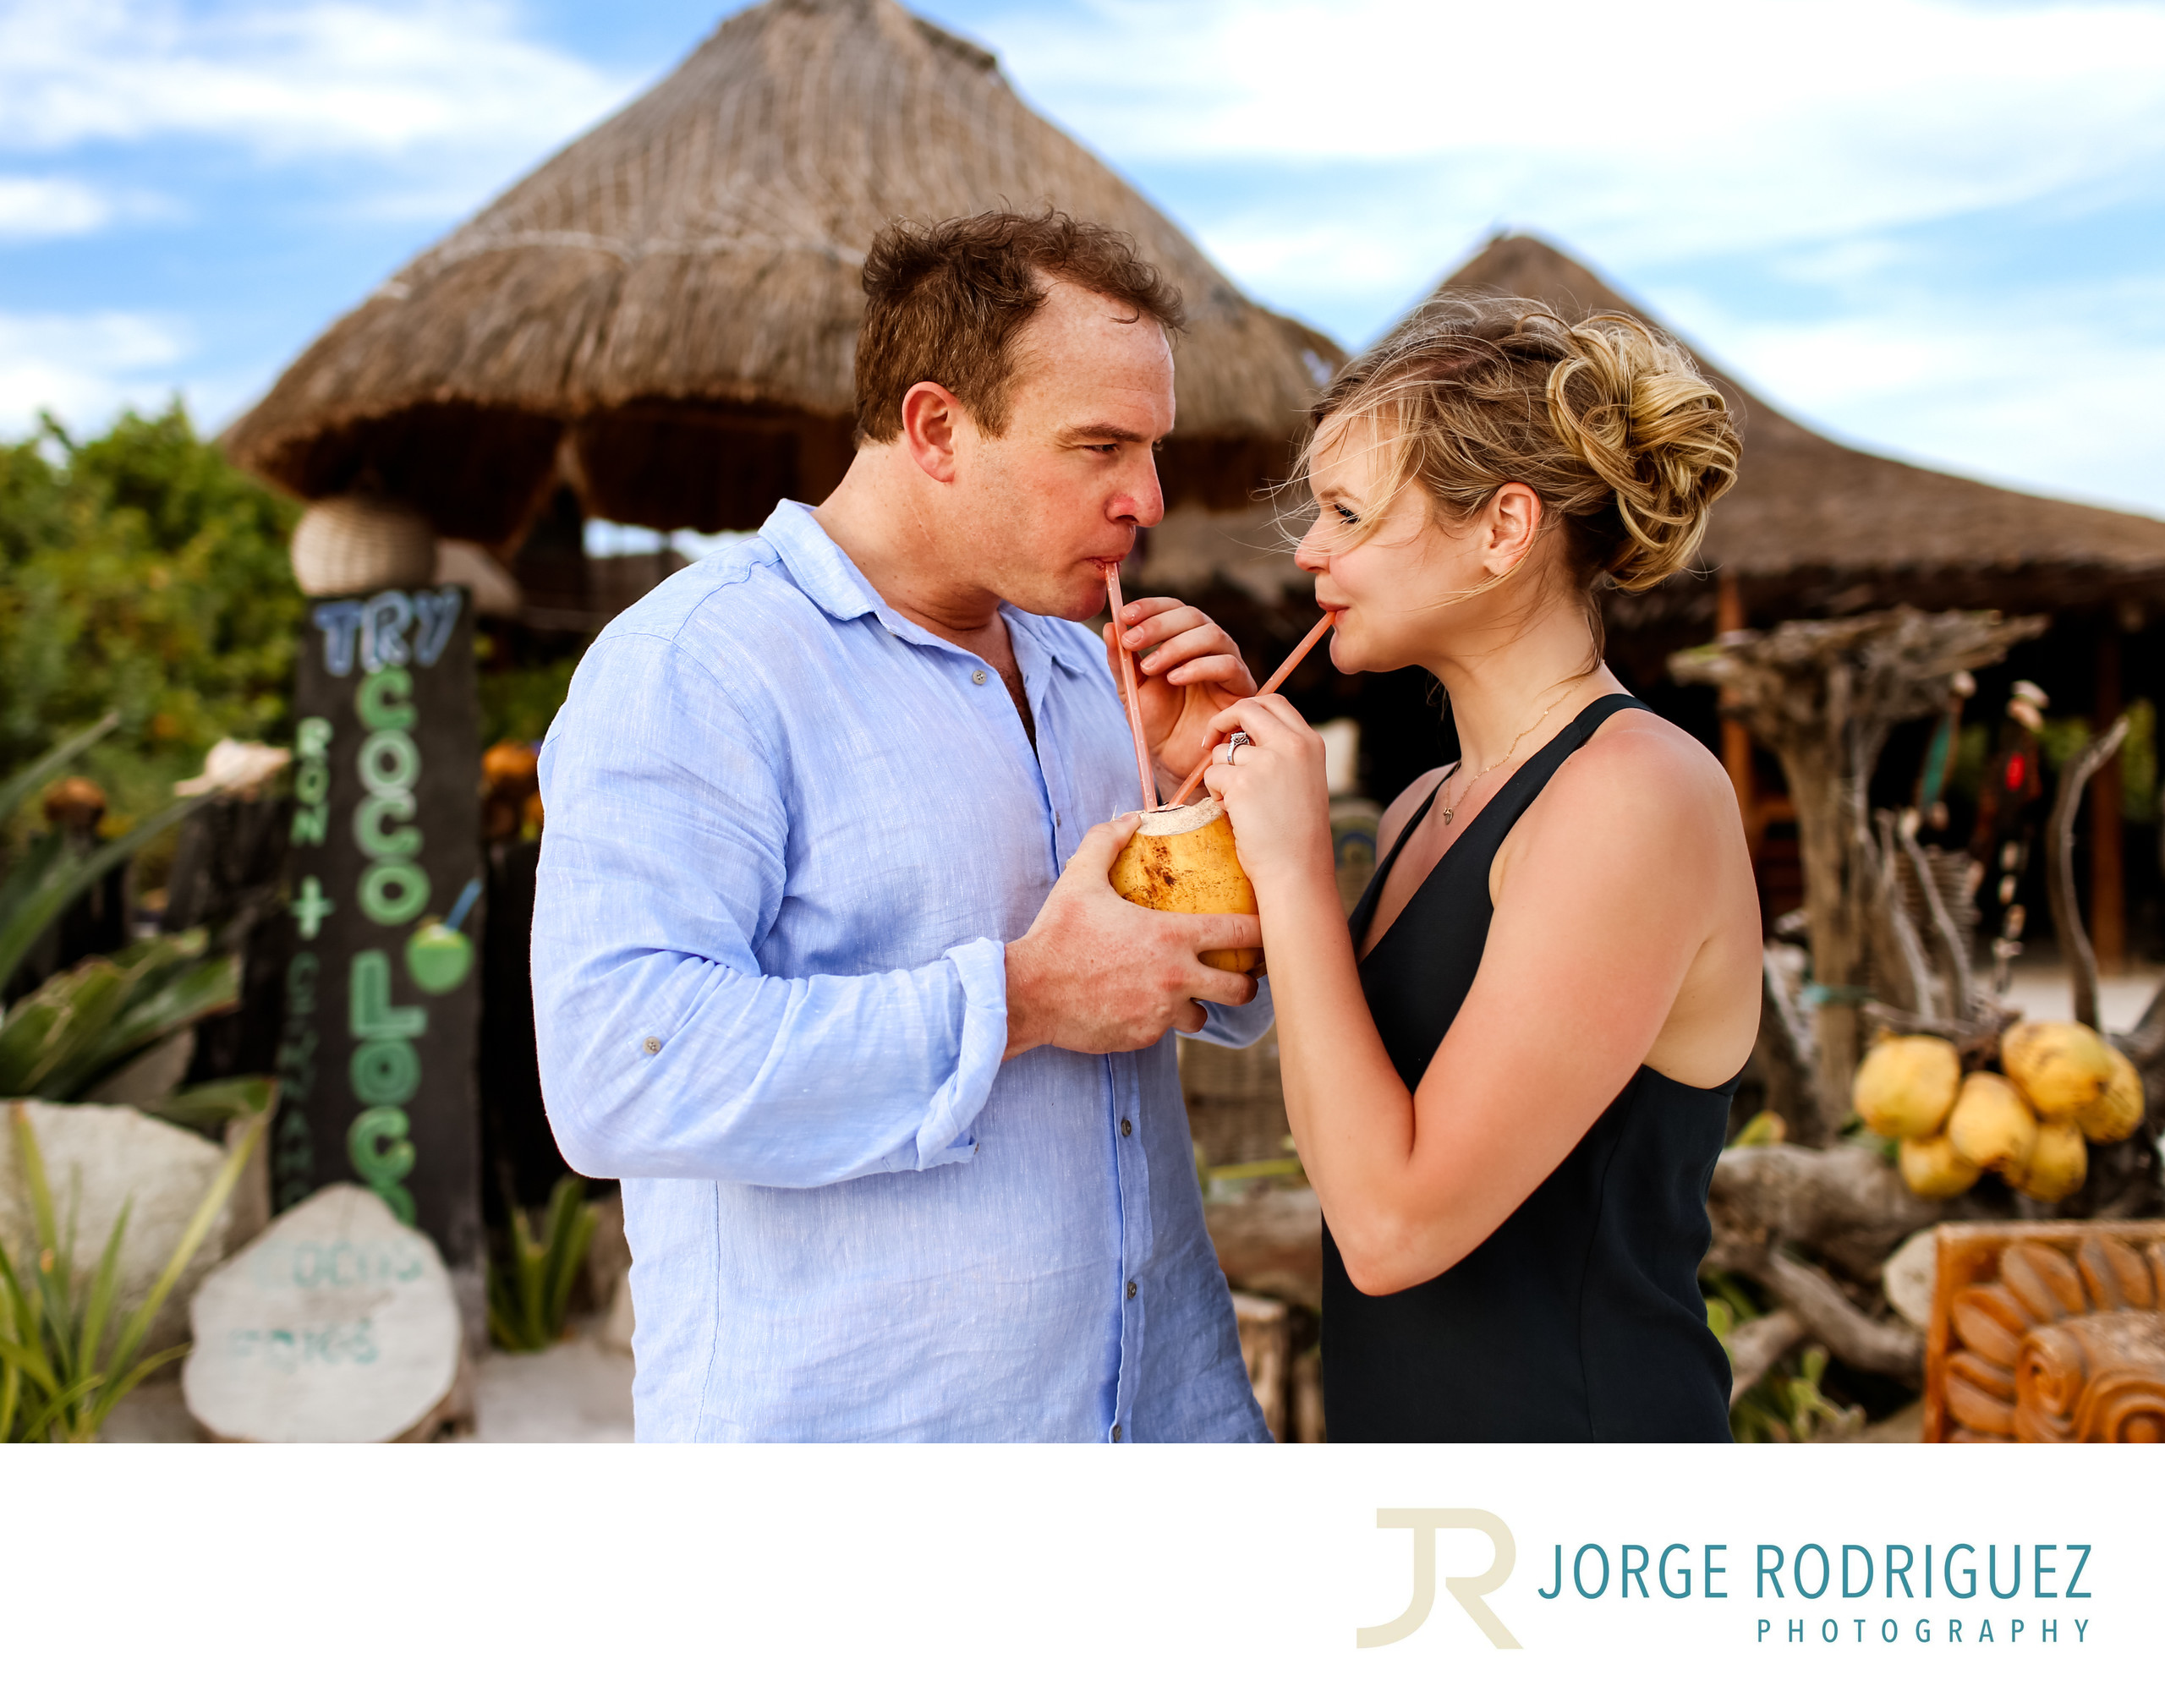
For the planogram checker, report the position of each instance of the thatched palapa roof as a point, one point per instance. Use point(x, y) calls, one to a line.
point(1816, 528)
point(665, 315)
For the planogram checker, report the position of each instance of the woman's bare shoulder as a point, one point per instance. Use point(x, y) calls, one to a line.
point(1393, 823)
point(1641, 768)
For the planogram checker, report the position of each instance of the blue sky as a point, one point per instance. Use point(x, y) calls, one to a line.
point(1933, 227)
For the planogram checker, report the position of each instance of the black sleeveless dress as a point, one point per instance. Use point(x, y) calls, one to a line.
point(1580, 1318)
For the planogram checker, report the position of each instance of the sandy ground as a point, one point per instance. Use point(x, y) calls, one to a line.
point(2041, 990)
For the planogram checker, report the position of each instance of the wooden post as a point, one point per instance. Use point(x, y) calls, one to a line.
point(1737, 740)
point(2108, 931)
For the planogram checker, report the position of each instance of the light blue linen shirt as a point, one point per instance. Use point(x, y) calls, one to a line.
point(789, 834)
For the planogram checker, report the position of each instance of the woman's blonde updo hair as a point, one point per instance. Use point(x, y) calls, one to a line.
point(1624, 441)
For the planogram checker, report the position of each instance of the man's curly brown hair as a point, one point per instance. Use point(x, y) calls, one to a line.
point(947, 302)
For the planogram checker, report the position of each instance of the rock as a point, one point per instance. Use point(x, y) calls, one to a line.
point(96, 1159)
point(1911, 1275)
point(1266, 1336)
point(336, 1324)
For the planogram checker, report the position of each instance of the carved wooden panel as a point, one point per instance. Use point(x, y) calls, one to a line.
point(2047, 1331)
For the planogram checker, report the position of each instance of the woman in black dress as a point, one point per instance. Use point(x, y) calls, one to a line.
point(1510, 1082)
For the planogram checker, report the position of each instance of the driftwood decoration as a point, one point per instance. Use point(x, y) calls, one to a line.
point(1824, 697)
point(2074, 937)
point(2047, 1332)
point(1846, 1207)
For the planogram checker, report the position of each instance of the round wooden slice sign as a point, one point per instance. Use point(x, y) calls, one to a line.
point(336, 1324)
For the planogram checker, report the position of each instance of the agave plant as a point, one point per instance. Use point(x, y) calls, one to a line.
point(53, 871)
point(87, 1021)
point(81, 1024)
point(529, 1297)
point(65, 1361)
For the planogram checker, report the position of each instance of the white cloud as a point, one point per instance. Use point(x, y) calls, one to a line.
point(1693, 127)
point(49, 207)
point(1339, 157)
point(84, 367)
point(2053, 394)
point(336, 77)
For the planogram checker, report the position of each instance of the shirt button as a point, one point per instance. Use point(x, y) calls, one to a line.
point(977, 676)
point(653, 1046)
point(1115, 1431)
point(1130, 1289)
point(1127, 1126)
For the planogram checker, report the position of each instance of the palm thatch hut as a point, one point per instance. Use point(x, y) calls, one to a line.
point(1815, 529)
point(662, 318)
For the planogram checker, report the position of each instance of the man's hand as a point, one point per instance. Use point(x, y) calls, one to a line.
point(1194, 673)
point(1098, 974)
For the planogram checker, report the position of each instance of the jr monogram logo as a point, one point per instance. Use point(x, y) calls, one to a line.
point(1424, 1522)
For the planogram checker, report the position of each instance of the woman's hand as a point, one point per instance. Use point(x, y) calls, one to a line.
point(1195, 672)
point(1275, 792)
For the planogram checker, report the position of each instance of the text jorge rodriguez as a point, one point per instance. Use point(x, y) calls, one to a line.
point(1897, 1580)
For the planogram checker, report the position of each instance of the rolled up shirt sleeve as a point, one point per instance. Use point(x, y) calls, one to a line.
point(1236, 1028)
point(666, 1051)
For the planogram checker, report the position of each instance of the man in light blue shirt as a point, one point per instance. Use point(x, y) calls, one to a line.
point(826, 968)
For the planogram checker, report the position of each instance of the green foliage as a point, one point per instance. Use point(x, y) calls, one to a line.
point(529, 1297)
point(2060, 739)
point(60, 1374)
point(518, 702)
point(205, 1108)
point(140, 573)
point(82, 1024)
point(2139, 801)
point(1785, 1405)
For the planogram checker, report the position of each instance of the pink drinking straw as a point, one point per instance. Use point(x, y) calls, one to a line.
point(1143, 767)
point(1277, 679)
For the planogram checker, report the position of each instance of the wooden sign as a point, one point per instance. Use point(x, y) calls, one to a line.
point(2046, 1331)
point(381, 1013)
point(336, 1324)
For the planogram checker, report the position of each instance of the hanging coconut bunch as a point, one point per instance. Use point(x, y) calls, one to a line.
point(2060, 1088)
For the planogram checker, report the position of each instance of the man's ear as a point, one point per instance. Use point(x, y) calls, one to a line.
point(1513, 523)
point(932, 418)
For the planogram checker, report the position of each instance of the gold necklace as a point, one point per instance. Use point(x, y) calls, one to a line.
point(1451, 811)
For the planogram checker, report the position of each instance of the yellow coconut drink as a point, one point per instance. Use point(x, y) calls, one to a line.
point(1182, 860)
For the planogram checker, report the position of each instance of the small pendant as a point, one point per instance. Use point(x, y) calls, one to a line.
point(1450, 813)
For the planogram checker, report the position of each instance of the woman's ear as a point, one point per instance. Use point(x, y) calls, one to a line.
point(1512, 526)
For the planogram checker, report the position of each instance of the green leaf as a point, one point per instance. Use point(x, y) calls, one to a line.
point(207, 1108)
point(103, 1288)
point(145, 1017)
point(138, 1323)
point(34, 776)
point(73, 875)
point(42, 1220)
point(52, 1027)
point(571, 1223)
